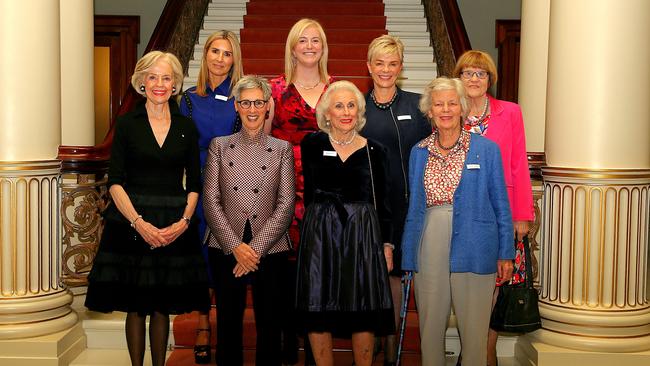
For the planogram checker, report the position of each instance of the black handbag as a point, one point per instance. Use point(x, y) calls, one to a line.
point(516, 309)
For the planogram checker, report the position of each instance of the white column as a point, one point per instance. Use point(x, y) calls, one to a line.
point(77, 75)
point(30, 72)
point(596, 209)
point(37, 325)
point(533, 63)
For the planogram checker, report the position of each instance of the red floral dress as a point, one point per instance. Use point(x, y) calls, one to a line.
point(293, 118)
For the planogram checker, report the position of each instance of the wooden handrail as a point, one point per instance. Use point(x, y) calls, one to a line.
point(447, 31)
point(455, 27)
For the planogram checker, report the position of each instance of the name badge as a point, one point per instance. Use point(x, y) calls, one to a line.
point(403, 117)
point(221, 97)
point(473, 166)
point(329, 153)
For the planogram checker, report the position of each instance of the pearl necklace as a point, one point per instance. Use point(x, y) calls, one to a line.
point(480, 119)
point(343, 143)
point(383, 106)
point(306, 87)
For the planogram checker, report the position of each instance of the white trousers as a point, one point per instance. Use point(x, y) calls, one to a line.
point(437, 290)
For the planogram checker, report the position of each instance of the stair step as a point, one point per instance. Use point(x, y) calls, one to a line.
point(224, 10)
point(276, 50)
point(327, 21)
point(333, 35)
point(318, 1)
point(406, 24)
point(276, 67)
point(314, 9)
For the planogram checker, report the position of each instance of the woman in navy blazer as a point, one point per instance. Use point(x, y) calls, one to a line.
point(458, 233)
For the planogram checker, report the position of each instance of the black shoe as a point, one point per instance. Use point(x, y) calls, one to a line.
point(203, 352)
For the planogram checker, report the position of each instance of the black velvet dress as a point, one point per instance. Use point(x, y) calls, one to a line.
point(342, 283)
point(127, 275)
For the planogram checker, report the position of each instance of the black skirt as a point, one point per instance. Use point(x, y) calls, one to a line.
point(129, 276)
point(342, 283)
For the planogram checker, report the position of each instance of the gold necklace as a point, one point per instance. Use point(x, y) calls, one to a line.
point(306, 87)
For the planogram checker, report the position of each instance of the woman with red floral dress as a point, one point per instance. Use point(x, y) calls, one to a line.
point(293, 115)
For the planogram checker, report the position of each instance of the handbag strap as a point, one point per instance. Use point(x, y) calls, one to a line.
point(528, 264)
point(372, 180)
point(188, 102)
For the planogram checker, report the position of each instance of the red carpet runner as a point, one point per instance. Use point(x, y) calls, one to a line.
point(350, 26)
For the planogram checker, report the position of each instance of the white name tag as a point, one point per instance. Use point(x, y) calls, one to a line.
point(473, 166)
point(221, 97)
point(329, 153)
point(406, 116)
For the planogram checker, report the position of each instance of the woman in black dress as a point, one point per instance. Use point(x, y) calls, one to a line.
point(148, 262)
point(342, 285)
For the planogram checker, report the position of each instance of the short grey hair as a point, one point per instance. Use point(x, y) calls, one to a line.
point(248, 82)
point(444, 83)
point(324, 105)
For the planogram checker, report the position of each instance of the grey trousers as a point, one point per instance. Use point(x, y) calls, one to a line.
point(436, 290)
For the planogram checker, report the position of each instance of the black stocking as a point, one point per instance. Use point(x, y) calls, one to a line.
point(158, 334)
point(135, 330)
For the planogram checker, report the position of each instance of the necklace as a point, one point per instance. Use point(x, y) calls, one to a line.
point(383, 106)
point(343, 143)
point(306, 87)
point(479, 120)
point(447, 148)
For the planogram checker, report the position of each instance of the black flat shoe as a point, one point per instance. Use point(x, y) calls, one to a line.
point(203, 352)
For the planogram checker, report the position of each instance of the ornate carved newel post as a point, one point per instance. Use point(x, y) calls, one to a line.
point(593, 265)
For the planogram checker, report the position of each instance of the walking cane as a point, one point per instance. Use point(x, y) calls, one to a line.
point(407, 280)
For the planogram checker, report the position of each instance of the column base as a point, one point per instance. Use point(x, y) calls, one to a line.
point(531, 352)
point(56, 349)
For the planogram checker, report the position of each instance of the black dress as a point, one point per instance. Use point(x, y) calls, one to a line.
point(342, 282)
point(127, 275)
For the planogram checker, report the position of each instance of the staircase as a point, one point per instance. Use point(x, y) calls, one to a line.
point(262, 27)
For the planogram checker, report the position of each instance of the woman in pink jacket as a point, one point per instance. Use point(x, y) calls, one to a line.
point(501, 122)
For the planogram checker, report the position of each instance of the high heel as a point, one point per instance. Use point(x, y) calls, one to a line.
point(203, 352)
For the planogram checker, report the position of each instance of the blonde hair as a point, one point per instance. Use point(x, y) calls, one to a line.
point(440, 84)
point(292, 40)
point(147, 61)
point(480, 60)
point(386, 45)
point(236, 70)
point(324, 104)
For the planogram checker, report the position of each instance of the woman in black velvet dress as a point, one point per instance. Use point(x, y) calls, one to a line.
point(342, 285)
point(148, 262)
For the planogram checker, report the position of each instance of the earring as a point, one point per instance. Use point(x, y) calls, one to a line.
point(327, 123)
point(142, 88)
point(173, 89)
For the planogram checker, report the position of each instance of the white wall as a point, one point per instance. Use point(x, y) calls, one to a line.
point(480, 21)
point(148, 10)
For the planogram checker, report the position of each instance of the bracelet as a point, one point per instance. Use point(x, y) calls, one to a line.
point(391, 246)
point(187, 219)
point(135, 220)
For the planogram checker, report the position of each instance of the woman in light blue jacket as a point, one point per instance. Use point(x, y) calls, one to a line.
point(458, 233)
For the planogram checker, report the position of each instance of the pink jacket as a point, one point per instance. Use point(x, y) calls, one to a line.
point(506, 128)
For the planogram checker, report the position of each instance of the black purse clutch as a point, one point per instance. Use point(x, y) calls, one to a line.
point(516, 309)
